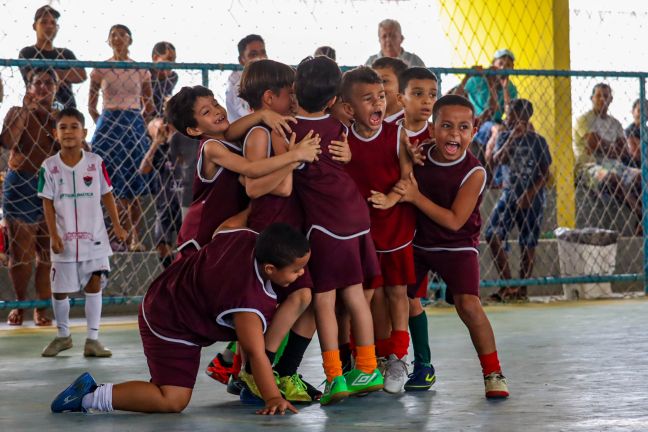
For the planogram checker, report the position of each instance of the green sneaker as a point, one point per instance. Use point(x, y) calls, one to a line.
point(335, 391)
point(248, 380)
point(359, 382)
point(293, 389)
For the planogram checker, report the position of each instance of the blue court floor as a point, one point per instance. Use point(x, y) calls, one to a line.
point(571, 367)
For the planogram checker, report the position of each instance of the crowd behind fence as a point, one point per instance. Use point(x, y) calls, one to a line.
point(573, 196)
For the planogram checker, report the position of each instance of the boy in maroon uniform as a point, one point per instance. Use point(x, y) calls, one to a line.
point(221, 292)
point(447, 191)
point(337, 224)
point(379, 162)
point(389, 68)
point(417, 92)
point(218, 195)
point(267, 84)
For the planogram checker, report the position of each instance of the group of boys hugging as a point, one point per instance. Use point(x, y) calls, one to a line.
point(328, 217)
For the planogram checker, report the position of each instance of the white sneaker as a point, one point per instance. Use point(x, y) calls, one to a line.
point(395, 374)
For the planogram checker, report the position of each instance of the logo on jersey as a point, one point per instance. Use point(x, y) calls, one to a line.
point(92, 167)
point(87, 180)
point(55, 170)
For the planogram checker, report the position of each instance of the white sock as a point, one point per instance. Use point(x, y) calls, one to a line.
point(100, 399)
point(62, 315)
point(93, 313)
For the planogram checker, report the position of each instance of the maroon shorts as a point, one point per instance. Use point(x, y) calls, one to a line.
point(396, 268)
point(459, 270)
point(337, 263)
point(170, 363)
point(303, 281)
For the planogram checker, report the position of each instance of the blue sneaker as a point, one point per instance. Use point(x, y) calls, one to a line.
point(249, 398)
point(69, 400)
point(421, 379)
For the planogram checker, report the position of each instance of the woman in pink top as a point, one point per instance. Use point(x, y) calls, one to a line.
point(120, 137)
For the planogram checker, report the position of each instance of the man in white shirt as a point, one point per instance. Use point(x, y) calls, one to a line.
point(250, 48)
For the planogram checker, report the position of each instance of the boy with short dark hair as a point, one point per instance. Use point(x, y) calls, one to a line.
point(447, 190)
point(250, 48)
point(389, 68)
point(417, 93)
point(379, 161)
point(523, 197)
point(75, 183)
point(218, 194)
point(337, 224)
point(222, 292)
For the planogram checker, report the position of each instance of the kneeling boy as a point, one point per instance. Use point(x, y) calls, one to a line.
point(222, 292)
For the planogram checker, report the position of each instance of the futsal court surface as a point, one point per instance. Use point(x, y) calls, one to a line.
point(570, 366)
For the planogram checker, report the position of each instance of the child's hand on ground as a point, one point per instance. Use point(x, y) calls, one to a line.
point(277, 405)
point(277, 122)
point(408, 189)
point(120, 233)
point(57, 243)
point(308, 148)
point(340, 150)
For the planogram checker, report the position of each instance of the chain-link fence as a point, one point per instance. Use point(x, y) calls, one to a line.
point(594, 180)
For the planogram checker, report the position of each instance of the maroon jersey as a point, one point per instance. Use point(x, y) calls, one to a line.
point(214, 201)
point(375, 166)
point(193, 300)
point(395, 117)
point(329, 196)
point(418, 136)
point(270, 208)
point(440, 183)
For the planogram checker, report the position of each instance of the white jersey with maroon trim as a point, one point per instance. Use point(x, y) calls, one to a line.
point(76, 192)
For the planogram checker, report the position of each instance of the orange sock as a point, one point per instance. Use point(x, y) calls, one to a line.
point(366, 358)
point(332, 364)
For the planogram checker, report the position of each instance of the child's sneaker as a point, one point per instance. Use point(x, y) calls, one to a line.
point(249, 398)
point(249, 383)
point(294, 389)
point(395, 374)
point(57, 345)
point(335, 391)
point(382, 364)
point(421, 379)
point(314, 394)
point(219, 369)
point(69, 400)
point(496, 387)
point(359, 382)
point(235, 386)
point(94, 348)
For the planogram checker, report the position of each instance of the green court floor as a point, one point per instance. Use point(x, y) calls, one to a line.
point(571, 367)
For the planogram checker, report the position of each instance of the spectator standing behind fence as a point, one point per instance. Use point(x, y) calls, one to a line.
point(120, 136)
point(522, 201)
point(490, 94)
point(167, 204)
point(633, 135)
point(27, 132)
point(163, 81)
point(250, 48)
point(391, 38)
point(599, 147)
point(325, 51)
point(46, 27)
